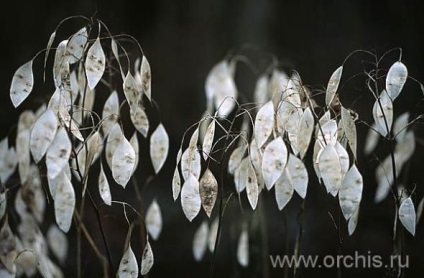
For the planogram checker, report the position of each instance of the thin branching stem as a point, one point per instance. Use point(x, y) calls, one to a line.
point(102, 231)
point(102, 259)
point(221, 198)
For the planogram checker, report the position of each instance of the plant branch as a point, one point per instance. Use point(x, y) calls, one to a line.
point(90, 240)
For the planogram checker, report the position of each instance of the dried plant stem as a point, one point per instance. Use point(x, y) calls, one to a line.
point(102, 231)
point(298, 244)
point(221, 198)
point(143, 232)
point(102, 259)
point(398, 235)
point(264, 238)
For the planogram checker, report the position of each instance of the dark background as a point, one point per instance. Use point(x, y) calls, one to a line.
point(183, 40)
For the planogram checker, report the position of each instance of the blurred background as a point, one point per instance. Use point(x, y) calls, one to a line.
point(182, 41)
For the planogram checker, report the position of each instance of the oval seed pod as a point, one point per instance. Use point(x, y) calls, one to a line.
point(315, 159)
point(176, 183)
point(283, 189)
point(140, 120)
point(350, 193)
point(42, 134)
point(240, 174)
point(264, 123)
point(395, 79)
point(288, 117)
point(330, 169)
point(304, 133)
point(61, 65)
point(243, 248)
point(190, 163)
point(58, 242)
point(349, 129)
point(407, 215)
point(22, 84)
point(252, 187)
point(291, 126)
point(327, 134)
point(60, 98)
point(128, 266)
point(343, 157)
point(191, 158)
point(405, 149)
point(110, 112)
point(64, 203)
point(298, 175)
point(154, 220)
point(291, 94)
point(147, 259)
point(123, 162)
point(273, 161)
point(260, 95)
point(208, 187)
point(58, 153)
point(256, 160)
point(132, 90)
point(384, 178)
point(333, 85)
point(235, 158)
point(400, 126)
point(76, 44)
point(371, 139)
point(136, 147)
point(221, 89)
point(200, 241)
point(190, 198)
point(55, 183)
point(146, 77)
point(208, 139)
point(277, 85)
point(95, 64)
point(159, 147)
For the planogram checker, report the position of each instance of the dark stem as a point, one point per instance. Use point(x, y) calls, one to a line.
point(143, 232)
point(340, 245)
point(103, 261)
point(264, 238)
point(398, 236)
point(102, 231)
point(298, 243)
point(286, 242)
point(218, 235)
point(221, 198)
